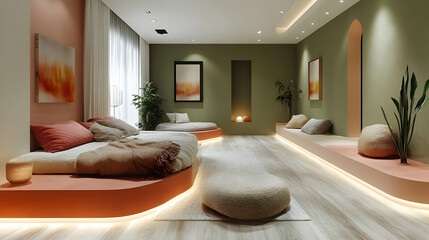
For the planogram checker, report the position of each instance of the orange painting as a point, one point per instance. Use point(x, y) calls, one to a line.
point(188, 81)
point(55, 71)
point(315, 79)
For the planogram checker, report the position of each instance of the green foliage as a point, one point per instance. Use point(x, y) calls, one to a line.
point(406, 113)
point(149, 104)
point(286, 94)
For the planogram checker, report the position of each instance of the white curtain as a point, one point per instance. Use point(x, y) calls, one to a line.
point(144, 62)
point(125, 65)
point(96, 59)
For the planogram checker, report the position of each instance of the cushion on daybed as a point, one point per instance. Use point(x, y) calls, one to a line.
point(182, 118)
point(297, 121)
point(186, 127)
point(316, 126)
point(106, 134)
point(127, 129)
point(171, 117)
point(61, 136)
point(376, 141)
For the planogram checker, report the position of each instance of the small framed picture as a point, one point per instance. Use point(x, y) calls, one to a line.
point(315, 79)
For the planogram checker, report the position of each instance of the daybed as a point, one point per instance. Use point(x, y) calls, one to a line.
point(179, 122)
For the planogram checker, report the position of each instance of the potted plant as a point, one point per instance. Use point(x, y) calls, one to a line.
point(286, 94)
point(149, 104)
point(406, 113)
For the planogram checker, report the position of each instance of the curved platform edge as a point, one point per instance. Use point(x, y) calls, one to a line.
point(126, 197)
point(208, 134)
point(407, 192)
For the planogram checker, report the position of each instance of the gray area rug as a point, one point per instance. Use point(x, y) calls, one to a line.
point(190, 208)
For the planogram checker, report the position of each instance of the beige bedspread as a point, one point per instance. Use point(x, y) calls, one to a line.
point(130, 156)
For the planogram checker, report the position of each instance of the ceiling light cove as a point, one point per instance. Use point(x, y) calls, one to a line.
point(295, 12)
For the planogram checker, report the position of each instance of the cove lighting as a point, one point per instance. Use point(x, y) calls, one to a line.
point(383, 197)
point(295, 12)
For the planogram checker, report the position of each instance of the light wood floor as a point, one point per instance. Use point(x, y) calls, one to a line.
point(338, 207)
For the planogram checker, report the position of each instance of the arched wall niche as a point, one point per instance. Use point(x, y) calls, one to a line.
point(354, 101)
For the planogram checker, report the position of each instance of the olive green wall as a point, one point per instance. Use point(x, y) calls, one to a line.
point(395, 34)
point(270, 63)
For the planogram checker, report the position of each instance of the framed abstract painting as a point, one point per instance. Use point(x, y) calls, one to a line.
point(188, 81)
point(55, 71)
point(315, 79)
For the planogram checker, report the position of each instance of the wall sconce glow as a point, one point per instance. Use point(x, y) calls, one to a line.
point(239, 119)
point(295, 12)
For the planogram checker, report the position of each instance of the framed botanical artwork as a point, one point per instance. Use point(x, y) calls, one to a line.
point(188, 81)
point(315, 79)
point(55, 71)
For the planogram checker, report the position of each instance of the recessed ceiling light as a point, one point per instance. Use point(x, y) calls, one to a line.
point(303, 31)
point(259, 40)
point(341, 1)
point(154, 20)
point(193, 40)
point(147, 12)
point(282, 12)
point(259, 32)
point(327, 13)
point(297, 38)
point(312, 24)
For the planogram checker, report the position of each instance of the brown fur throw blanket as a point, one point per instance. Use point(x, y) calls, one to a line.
point(130, 157)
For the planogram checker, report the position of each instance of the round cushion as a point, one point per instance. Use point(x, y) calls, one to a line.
point(376, 141)
point(19, 170)
point(246, 196)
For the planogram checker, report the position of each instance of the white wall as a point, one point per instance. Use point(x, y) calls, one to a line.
point(14, 80)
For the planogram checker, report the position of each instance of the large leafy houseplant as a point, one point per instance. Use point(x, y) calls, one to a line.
point(406, 113)
point(149, 104)
point(286, 94)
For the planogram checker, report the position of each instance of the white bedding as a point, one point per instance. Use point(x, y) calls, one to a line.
point(325, 139)
point(64, 161)
point(186, 127)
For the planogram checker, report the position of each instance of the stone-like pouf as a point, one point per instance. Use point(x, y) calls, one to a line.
point(376, 141)
point(245, 195)
point(19, 170)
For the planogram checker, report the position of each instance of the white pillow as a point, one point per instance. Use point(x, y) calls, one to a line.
point(171, 117)
point(182, 117)
point(316, 126)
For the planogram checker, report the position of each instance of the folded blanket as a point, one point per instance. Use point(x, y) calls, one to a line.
point(130, 156)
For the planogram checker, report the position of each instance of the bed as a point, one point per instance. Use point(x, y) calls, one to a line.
point(186, 127)
point(64, 161)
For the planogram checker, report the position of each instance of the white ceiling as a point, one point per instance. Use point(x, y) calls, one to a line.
point(222, 21)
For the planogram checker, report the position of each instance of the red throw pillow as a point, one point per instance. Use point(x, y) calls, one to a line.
point(61, 136)
point(101, 119)
point(87, 125)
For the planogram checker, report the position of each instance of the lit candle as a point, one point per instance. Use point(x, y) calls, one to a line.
point(239, 119)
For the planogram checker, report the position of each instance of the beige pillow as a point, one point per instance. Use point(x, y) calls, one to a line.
point(171, 117)
point(316, 126)
point(105, 134)
point(127, 129)
point(182, 118)
point(297, 121)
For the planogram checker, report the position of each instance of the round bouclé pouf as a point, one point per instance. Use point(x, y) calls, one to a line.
point(19, 170)
point(246, 196)
point(376, 141)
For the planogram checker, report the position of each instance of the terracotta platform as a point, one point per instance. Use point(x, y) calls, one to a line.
point(72, 196)
point(408, 182)
point(209, 134)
